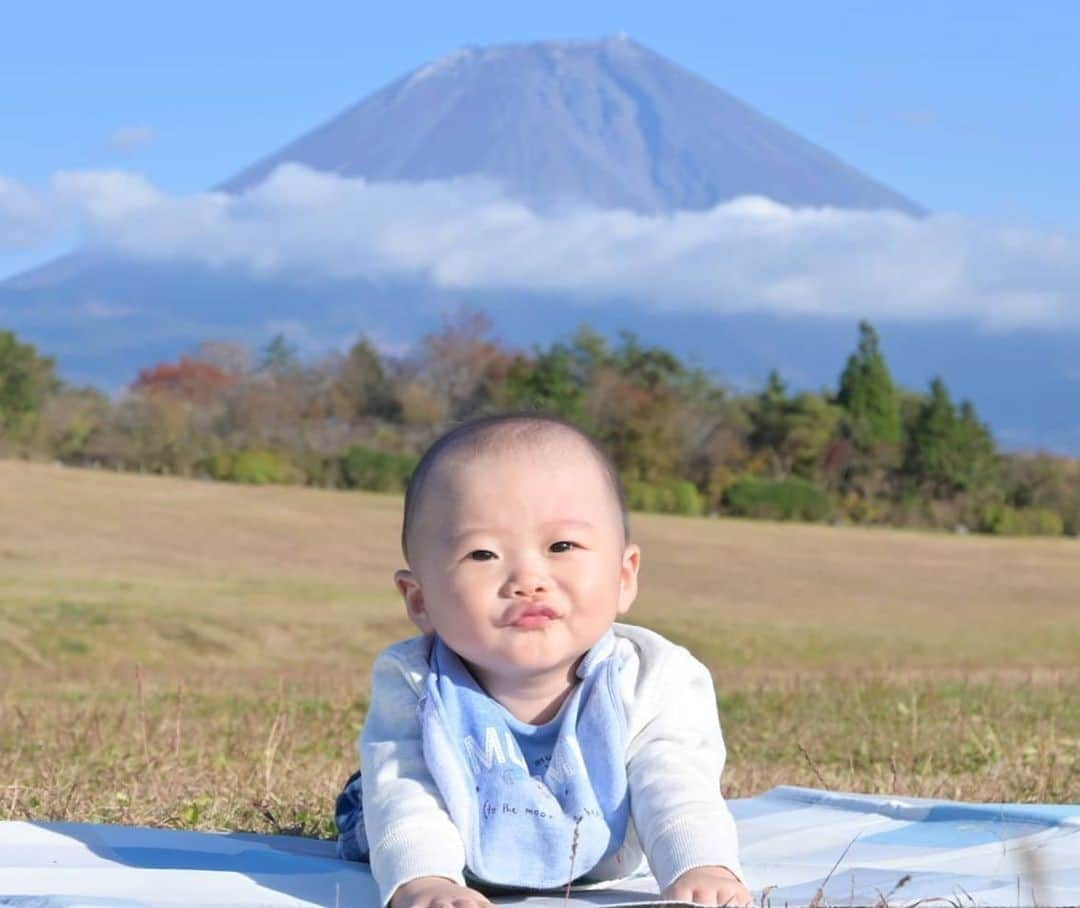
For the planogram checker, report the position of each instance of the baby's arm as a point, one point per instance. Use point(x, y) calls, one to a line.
point(675, 760)
point(417, 855)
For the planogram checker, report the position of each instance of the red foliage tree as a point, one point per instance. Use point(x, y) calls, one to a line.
point(188, 380)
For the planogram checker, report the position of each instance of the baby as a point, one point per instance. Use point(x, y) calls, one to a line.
point(526, 739)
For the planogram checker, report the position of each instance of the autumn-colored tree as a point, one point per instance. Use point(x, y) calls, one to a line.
point(634, 406)
point(457, 367)
point(1045, 481)
point(171, 411)
point(187, 380)
point(643, 432)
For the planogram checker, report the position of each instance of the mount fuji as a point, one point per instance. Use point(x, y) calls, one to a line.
point(605, 126)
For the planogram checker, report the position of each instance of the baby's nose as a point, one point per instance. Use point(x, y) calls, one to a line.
point(527, 582)
point(529, 588)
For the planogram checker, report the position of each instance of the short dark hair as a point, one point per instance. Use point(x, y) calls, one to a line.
point(487, 431)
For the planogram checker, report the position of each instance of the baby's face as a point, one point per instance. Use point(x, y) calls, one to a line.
point(518, 561)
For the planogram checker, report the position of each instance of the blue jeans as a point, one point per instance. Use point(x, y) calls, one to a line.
point(349, 817)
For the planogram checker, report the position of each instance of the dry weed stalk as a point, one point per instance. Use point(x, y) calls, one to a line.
point(177, 728)
point(813, 766)
point(819, 896)
point(15, 789)
point(573, 857)
point(765, 901)
point(970, 897)
point(883, 898)
point(142, 714)
point(273, 741)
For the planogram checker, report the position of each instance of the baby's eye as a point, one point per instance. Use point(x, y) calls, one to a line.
point(481, 555)
point(563, 545)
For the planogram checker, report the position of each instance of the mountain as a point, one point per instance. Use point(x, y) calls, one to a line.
point(607, 123)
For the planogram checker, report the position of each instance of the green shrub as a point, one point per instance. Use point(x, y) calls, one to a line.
point(219, 466)
point(686, 499)
point(260, 468)
point(319, 470)
point(376, 471)
point(777, 499)
point(256, 467)
point(677, 496)
point(1005, 521)
point(642, 496)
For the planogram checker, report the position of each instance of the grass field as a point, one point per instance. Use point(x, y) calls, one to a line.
point(194, 654)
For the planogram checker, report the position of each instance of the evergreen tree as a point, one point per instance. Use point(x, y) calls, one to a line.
point(793, 431)
point(929, 458)
point(589, 351)
point(548, 382)
point(980, 465)
point(279, 357)
point(769, 413)
point(950, 452)
point(647, 367)
point(811, 425)
point(868, 396)
point(363, 388)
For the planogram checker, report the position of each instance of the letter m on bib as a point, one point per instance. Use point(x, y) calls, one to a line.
point(492, 753)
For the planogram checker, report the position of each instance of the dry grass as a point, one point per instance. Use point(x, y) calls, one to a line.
point(851, 659)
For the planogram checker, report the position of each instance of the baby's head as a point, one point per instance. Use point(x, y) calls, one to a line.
point(516, 537)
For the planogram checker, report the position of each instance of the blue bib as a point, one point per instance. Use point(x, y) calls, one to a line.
point(531, 823)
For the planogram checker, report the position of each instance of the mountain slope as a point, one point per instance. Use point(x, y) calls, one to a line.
point(607, 123)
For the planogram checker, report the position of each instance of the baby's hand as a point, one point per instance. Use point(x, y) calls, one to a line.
point(436, 892)
point(708, 886)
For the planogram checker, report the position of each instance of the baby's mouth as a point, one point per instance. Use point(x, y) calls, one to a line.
point(531, 615)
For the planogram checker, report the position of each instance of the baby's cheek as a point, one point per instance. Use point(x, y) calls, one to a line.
point(458, 583)
point(471, 594)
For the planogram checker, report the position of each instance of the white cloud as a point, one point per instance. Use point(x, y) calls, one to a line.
point(129, 139)
point(26, 219)
point(750, 254)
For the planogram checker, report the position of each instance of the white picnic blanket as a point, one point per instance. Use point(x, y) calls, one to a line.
point(857, 848)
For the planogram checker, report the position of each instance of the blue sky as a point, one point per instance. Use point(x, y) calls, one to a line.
point(969, 107)
point(964, 107)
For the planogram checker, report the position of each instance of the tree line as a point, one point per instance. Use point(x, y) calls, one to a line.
point(866, 451)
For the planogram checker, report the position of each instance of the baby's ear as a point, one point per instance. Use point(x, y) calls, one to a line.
point(628, 577)
point(413, 595)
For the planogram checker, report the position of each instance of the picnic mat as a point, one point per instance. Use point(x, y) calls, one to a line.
point(858, 849)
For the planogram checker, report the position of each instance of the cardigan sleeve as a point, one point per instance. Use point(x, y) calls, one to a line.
point(409, 831)
point(674, 762)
